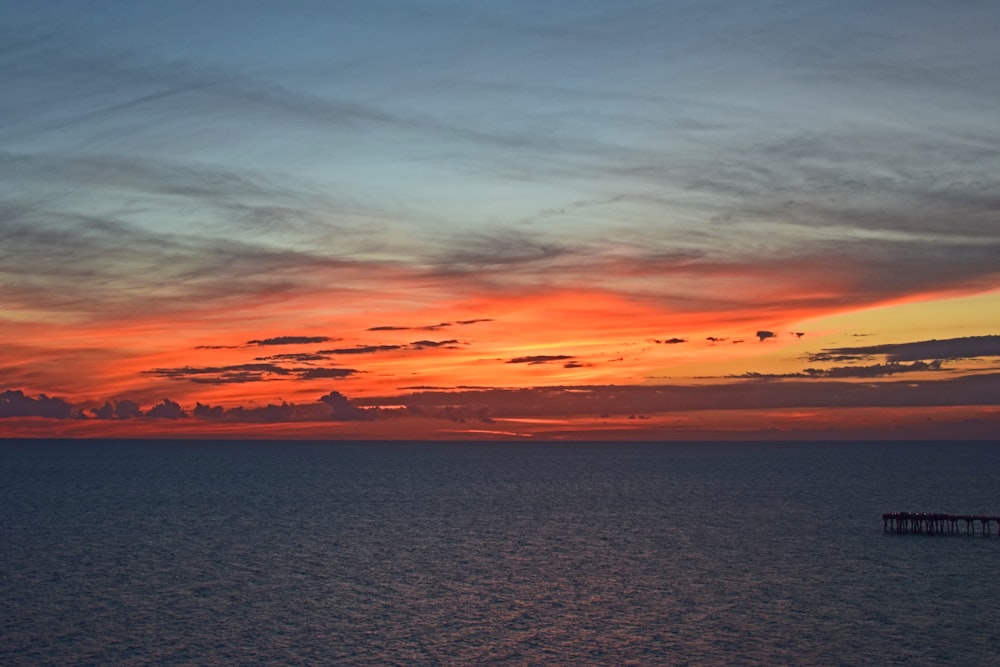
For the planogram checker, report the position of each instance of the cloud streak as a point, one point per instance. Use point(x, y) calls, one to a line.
point(536, 359)
point(251, 372)
point(953, 348)
point(291, 340)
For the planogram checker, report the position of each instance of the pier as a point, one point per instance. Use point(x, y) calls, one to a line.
point(927, 523)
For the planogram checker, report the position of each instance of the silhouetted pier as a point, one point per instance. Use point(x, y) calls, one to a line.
point(926, 523)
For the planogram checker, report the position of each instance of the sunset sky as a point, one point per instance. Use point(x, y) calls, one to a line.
point(408, 219)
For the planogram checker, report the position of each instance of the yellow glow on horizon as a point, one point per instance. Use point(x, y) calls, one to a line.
point(923, 319)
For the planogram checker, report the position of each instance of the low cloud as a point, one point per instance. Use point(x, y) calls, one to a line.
point(107, 411)
point(334, 406)
point(764, 335)
point(668, 341)
point(341, 409)
point(331, 407)
point(459, 414)
point(268, 414)
point(120, 410)
point(166, 409)
point(14, 403)
point(127, 409)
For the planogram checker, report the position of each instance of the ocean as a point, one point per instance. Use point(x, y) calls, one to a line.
point(309, 553)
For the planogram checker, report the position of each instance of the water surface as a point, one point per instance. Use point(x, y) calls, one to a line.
point(450, 553)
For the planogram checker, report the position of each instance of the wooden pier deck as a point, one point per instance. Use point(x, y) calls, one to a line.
point(928, 523)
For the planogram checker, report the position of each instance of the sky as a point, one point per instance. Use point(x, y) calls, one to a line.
point(502, 219)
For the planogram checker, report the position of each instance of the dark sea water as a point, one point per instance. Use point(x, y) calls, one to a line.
point(133, 553)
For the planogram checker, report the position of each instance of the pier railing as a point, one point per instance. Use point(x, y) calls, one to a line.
point(927, 523)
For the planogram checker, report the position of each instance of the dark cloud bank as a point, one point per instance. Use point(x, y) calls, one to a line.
point(569, 401)
point(334, 406)
point(746, 394)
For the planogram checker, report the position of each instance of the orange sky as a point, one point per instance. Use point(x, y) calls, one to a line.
point(518, 345)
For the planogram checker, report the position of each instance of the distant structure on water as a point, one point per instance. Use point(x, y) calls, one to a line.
point(927, 523)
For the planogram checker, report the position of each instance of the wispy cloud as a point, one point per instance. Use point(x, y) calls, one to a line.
point(95, 265)
point(429, 327)
point(504, 249)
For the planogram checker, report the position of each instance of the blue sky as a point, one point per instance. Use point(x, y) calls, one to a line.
point(456, 115)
